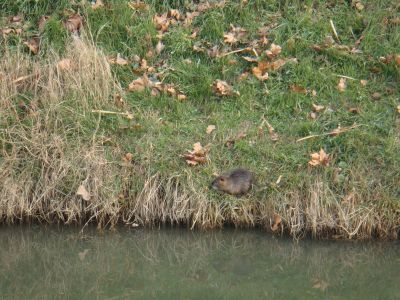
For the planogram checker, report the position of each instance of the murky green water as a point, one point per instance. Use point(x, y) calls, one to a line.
point(40, 263)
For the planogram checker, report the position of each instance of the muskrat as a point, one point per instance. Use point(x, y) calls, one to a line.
point(237, 182)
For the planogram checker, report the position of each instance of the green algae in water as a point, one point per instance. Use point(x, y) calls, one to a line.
point(42, 263)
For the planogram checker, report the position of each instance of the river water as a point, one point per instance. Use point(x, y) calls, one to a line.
point(51, 263)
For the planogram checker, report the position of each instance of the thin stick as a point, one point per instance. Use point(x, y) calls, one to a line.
point(347, 77)
point(232, 52)
point(333, 133)
point(106, 112)
point(22, 78)
point(334, 30)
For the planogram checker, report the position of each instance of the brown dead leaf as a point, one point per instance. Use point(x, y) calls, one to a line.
point(64, 64)
point(354, 110)
point(342, 85)
point(83, 254)
point(16, 20)
point(317, 108)
point(320, 284)
point(298, 89)
point(222, 88)
point(98, 4)
point(181, 97)
point(358, 5)
point(162, 22)
point(243, 76)
point(119, 101)
point(198, 155)
point(7, 31)
point(376, 96)
point(363, 82)
point(319, 158)
point(127, 158)
point(277, 64)
point(397, 59)
point(259, 74)
point(138, 5)
point(210, 128)
point(33, 45)
point(231, 141)
point(118, 60)
point(272, 134)
point(139, 84)
point(398, 108)
point(277, 222)
point(83, 193)
point(313, 115)
point(274, 51)
point(230, 38)
point(74, 23)
point(42, 22)
point(160, 46)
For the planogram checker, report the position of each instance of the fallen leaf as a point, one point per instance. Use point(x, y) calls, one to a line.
point(258, 73)
point(397, 59)
point(363, 82)
point(210, 128)
point(7, 31)
point(272, 134)
point(298, 89)
point(354, 110)
point(33, 45)
point(319, 158)
point(277, 222)
point(64, 64)
point(119, 102)
point(83, 254)
point(198, 155)
point(98, 4)
point(320, 285)
point(138, 5)
point(231, 141)
point(162, 22)
point(250, 58)
point(16, 20)
point(139, 84)
point(181, 97)
point(73, 23)
point(359, 6)
point(342, 85)
point(42, 22)
point(243, 76)
point(275, 50)
point(118, 60)
point(317, 108)
point(398, 108)
point(230, 38)
point(314, 93)
point(222, 88)
point(127, 158)
point(313, 115)
point(160, 46)
point(83, 193)
point(235, 34)
point(376, 96)
point(277, 64)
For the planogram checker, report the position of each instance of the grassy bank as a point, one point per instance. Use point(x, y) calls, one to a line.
point(76, 118)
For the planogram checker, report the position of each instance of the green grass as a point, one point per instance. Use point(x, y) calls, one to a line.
point(368, 155)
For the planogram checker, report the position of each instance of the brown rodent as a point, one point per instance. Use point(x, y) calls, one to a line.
point(237, 182)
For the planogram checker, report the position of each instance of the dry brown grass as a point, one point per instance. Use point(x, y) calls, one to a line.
point(46, 155)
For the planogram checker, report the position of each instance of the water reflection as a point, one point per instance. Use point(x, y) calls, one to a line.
point(177, 263)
